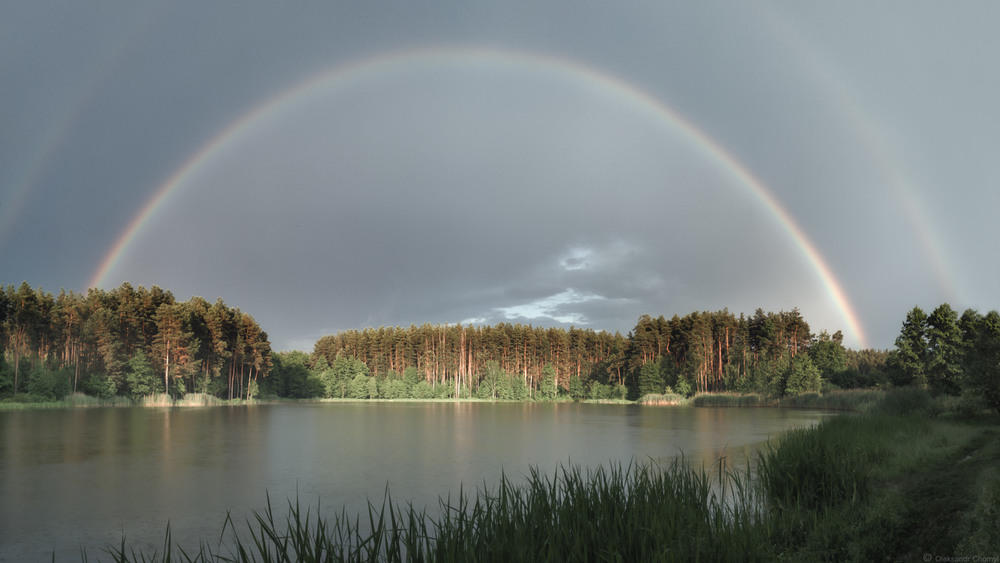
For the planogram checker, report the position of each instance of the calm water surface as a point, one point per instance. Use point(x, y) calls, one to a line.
point(82, 477)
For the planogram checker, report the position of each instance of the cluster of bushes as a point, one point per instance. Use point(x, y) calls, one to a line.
point(295, 375)
point(41, 383)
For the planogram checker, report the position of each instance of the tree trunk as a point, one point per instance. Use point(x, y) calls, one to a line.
point(166, 371)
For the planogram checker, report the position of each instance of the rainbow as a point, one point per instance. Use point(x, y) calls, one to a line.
point(353, 73)
point(874, 136)
point(63, 123)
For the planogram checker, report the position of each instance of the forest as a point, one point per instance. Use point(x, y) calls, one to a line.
point(128, 342)
point(134, 342)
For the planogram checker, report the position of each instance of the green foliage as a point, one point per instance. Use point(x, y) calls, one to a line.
point(828, 355)
point(983, 360)
point(905, 401)
point(908, 362)
point(650, 381)
point(210, 347)
point(94, 336)
point(344, 375)
point(359, 388)
point(496, 384)
point(253, 390)
point(803, 376)
point(395, 389)
point(944, 351)
point(576, 388)
point(547, 390)
point(493, 382)
point(444, 391)
point(865, 369)
point(411, 376)
point(683, 386)
point(43, 382)
point(140, 377)
point(423, 390)
point(101, 386)
point(293, 378)
point(769, 377)
point(599, 391)
point(6, 378)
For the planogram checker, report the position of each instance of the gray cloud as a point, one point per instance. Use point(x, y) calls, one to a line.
point(461, 192)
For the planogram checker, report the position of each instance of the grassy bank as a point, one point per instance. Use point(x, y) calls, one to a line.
point(857, 400)
point(879, 487)
point(861, 487)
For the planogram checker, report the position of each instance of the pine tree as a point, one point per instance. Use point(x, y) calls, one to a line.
point(908, 361)
point(944, 351)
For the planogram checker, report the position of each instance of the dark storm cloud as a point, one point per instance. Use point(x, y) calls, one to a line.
point(464, 194)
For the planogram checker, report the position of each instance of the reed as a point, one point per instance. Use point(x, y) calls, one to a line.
point(729, 400)
point(660, 399)
point(825, 465)
point(27, 401)
point(156, 400)
point(633, 513)
point(199, 400)
point(858, 400)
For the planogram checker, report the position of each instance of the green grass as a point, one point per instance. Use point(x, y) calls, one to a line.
point(884, 487)
point(27, 401)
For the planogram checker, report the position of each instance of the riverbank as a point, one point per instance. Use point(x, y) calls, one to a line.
point(859, 400)
point(871, 486)
point(80, 400)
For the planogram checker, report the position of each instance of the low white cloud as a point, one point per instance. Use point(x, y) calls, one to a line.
point(550, 307)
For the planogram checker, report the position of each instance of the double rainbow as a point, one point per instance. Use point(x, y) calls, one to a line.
point(354, 73)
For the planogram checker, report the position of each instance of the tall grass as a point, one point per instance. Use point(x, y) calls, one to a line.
point(858, 400)
point(27, 401)
point(199, 400)
point(827, 464)
point(156, 400)
point(633, 513)
point(660, 399)
point(729, 400)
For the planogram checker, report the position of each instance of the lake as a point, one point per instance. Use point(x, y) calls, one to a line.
point(83, 477)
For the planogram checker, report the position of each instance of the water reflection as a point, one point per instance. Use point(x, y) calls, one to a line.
point(82, 476)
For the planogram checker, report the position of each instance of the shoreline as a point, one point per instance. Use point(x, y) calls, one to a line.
point(848, 400)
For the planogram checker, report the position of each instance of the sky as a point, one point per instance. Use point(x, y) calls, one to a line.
point(337, 165)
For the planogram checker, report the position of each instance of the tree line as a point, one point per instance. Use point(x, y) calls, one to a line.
point(137, 341)
point(127, 341)
point(949, 354)
point(773, 353)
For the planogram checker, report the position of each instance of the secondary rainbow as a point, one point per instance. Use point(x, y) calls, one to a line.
point(354, 73)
